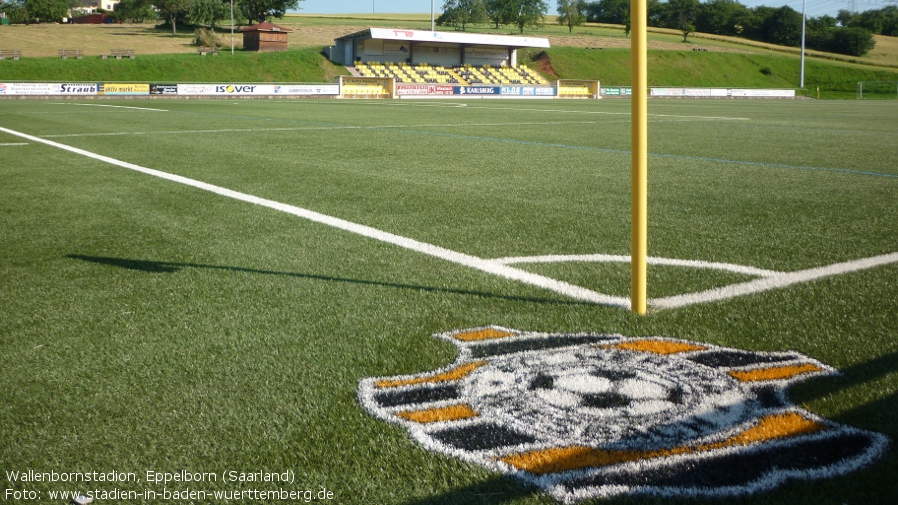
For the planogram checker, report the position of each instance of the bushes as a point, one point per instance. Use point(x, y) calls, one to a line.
point(853, 41)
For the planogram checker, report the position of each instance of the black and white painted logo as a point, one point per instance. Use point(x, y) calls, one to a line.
point(587, 415)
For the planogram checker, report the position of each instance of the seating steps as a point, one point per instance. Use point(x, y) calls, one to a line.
point(423, 73)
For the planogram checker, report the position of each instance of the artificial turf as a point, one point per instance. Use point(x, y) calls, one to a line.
point(149, 326)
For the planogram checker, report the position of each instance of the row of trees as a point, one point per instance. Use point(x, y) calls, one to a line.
point(518, 13)
point(847, 34)
point(194, 12)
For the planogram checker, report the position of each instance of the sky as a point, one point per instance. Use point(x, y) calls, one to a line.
point(815, 8)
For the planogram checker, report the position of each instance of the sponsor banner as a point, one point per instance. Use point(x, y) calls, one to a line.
point(258, 89)
point(477, 90)
point(163, 89)
point(29, 88)
point(424, 89)
point(615, 91)
point(307, 89)
point(762, 93)
point(528, 90)
point(364, 81)
point(41, 88)
point(689, 92)
point(706, 92)
point(79, 89)
point(225, 89)
point(124, 89)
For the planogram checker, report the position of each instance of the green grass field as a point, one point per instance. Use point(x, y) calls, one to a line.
point(149, 325)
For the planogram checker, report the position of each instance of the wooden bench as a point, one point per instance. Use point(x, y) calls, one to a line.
point(10, 53)
point(65, 53)
point(120, 53)
point(203, 50)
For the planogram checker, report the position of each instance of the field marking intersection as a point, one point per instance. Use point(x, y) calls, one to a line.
point(768, 279)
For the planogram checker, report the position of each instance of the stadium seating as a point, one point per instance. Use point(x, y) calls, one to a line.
point(423, 73)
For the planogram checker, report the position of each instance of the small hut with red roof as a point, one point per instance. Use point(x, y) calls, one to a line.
point(264, 37)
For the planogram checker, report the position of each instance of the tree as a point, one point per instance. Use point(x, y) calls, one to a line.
point(528, 13)
point(852, 41)
point(461, 13)
point(206, 12)
point(134, 10)
point(681, 15)
point(571, 13)
point(15, 11)
point(721, 17)
point(499, 12)
point(260, 10)
point(783, 27)
point(47, 10)
point(170, 10)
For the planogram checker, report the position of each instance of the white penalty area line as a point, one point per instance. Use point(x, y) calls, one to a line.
point(776, 281)
point(613, 258)
point(10, 144)
point(484, 265)
point(768, 279)
point(110, 106)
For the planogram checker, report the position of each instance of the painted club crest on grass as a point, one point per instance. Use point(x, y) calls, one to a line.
point(587, 415)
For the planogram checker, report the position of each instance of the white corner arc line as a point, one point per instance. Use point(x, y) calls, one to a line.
point(484, 265)
point(612, 258)
point(778, 281)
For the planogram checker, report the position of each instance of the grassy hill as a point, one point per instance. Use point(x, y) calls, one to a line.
point(162, 57)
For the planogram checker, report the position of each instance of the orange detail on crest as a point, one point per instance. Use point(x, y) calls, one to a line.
point(563, 459)
point(657, 346)
point(451, 413)
point(485, 334)
point(774, 373)
point(452, 375)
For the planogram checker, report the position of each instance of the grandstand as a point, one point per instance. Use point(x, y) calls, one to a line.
point(425, 57)
point(463, 75)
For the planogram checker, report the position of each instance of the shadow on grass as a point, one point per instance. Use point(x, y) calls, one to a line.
point(169, 267)
point(880, 415)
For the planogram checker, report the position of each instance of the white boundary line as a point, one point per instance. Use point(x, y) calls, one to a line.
point(481, 264)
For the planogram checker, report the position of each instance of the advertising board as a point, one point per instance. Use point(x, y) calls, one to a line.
point(307, 89)
point(163, 89)
point(425, 90)
point(110, 88)
point(528, 90)
point(477, 90)
point(41, 88)
point(615, 91)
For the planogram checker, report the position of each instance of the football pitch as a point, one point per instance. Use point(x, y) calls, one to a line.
point(200, 289)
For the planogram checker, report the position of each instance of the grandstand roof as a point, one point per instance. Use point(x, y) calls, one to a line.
point(479, 39)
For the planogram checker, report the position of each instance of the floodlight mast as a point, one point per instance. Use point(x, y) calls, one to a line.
point(639, 150)
point(804, 4)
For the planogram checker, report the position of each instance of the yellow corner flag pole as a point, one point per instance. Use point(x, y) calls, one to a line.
point(639, 118)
